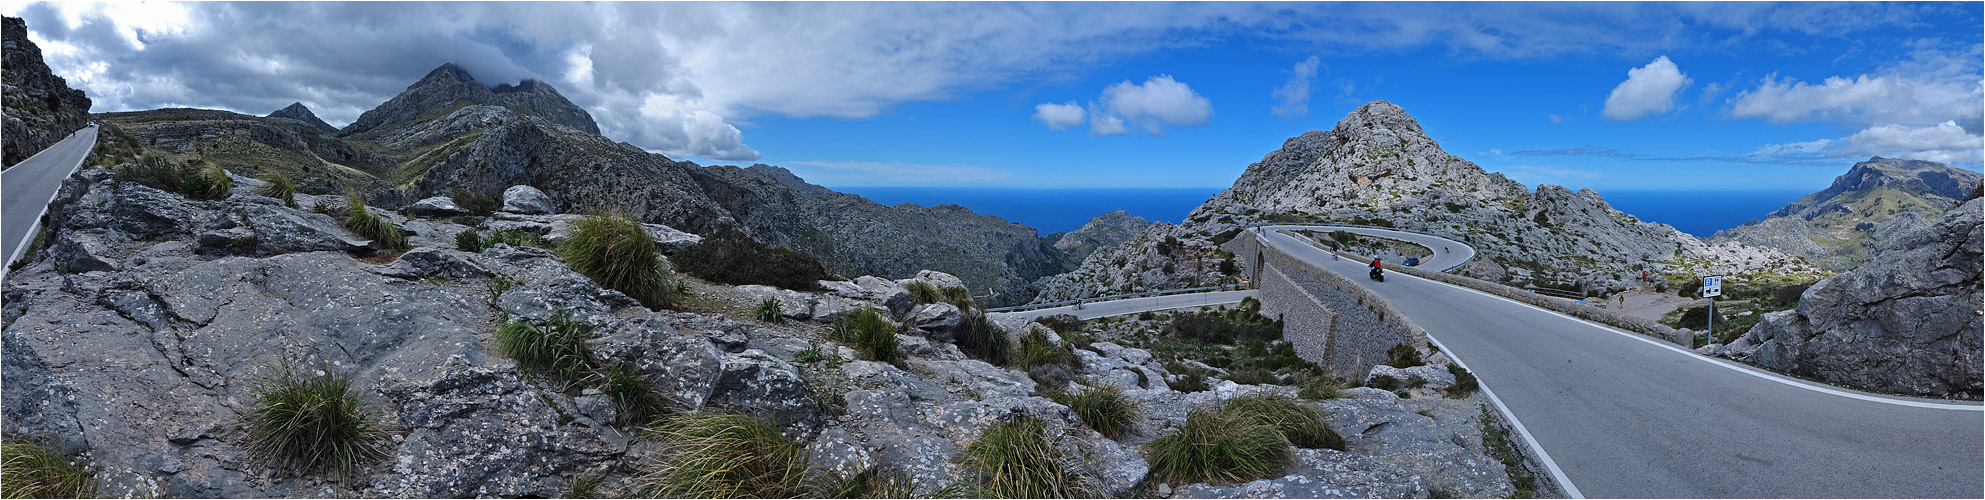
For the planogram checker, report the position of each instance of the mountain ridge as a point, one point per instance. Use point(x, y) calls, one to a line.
point(1852, 221)
point(40, 107)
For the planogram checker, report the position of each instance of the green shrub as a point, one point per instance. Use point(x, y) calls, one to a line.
point(1017, 460)
point(211, 183)
point(279, 187)
point(1464, 382)
point(958, 297)
point(1386, 382)
point(1300, 423)
point(1254, 376)
point(516, 238)
point(1218, 447)
point(1244, 323)
point(157, 171)
point(558, 349)
point(477, 204)
point(616, 252)
point(983, 340)
point(1403, 356)
point(384, 235)
point(1187, 378)
point(718, 455)
point(470, 241)
point(767, 311)
point(635, 402)
point(871, 334)
point(35, 471)
point(731, 257)
point(1105, 409)
point(311, 422)
point(1062, 323)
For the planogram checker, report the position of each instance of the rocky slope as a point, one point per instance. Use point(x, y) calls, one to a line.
point(40, 107)
point(1107, 230)
point(1873, 204)
point(138, 339)
point(297, 111)
point(449, 133)
point(1908, 322)
point(1378, 167)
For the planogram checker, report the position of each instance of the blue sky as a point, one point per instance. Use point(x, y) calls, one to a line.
point(1612, 96)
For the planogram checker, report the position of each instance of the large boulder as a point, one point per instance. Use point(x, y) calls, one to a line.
point(1907, 322)
point(437, 206)
point(523, 199)
point(1379, 427)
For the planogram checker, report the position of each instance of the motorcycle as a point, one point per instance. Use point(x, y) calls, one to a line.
point(1378, 275)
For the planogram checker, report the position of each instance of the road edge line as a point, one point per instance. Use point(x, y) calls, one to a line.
point(1731, 365)
point(28, 239)
point(1557, 474)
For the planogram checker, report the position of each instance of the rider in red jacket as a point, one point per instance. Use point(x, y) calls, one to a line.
point(1375, 264)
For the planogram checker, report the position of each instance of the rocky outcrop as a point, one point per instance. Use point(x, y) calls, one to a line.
point(1873, 204)
point(1908, 322)
point(1107, 230)
point(1378, 167)
point(41, 109)
point(297, 111)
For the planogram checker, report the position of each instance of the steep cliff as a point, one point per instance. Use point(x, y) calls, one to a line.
point(40, 108)
point(1873, 204)
point(1908, 322)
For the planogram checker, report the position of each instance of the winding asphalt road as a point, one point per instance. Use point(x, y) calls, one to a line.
point(27, 187)
point(1141, 304)
point(1622, 415)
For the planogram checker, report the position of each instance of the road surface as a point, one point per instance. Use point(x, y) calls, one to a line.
point(1448, 253)
point(1121, 307)
point(27, 187)
point(1622, 415)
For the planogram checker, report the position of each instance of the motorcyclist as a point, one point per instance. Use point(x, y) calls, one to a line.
point(1376, 266)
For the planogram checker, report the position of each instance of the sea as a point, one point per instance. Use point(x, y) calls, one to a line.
point(1700, 213)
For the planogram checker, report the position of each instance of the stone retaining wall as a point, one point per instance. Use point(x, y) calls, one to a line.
point(1332, 322)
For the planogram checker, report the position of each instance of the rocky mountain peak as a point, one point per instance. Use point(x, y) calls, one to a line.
point(1851, 221)
point(297, 111)
point(1379, 115)
point(40, 107)
point(450, 87)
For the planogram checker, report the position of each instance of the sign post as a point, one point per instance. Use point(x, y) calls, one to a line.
point(1712, 287)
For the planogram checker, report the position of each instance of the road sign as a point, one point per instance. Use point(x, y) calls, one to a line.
point(1712, 286)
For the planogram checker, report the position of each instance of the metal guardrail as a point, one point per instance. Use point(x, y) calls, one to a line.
point(1156, 293)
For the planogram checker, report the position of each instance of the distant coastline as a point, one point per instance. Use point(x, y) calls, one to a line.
point(1700, 213)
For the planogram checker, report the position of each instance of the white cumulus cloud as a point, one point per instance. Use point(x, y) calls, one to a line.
point(1295, 94)
point(1945, 143)
point(1059, 116)
point(1649, 90)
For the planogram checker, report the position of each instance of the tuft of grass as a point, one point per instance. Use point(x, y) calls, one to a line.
point(615, 251)
point(1302, 424)
point(477, 204)
point(983, 340)
point(1105, 409)
point(720, 455)
point(871, 334)
point(211, 183)
point(558, 349)
point(871, 483)
point(1016, 459)
point(1187, 378)
point(807, 356)
point(584, 486)
point(1320, 388)
point(924, 292)
point(279, 187)
point(1036, 349)
point(516, 238)
point(1218, 447)
point(1254, 376)
point(1403, 356)
point(35, 471)
point(371, 226)
point(958, 297)
point(768, 311)
point(312, 422)
point(636, 403)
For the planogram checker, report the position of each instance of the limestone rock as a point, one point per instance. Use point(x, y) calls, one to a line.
point(41, 109)
point(440, 206)
point(523, 199)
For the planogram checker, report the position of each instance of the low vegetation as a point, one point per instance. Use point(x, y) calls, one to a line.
point(767, 311)
point(1244, 323)
point(615, 252)
point(477, 204)
point(1496, 440)
point(311, 422)
point(1403, 356)
point(632, 399)
point(1105, 409)
point(34, 471)
point(1218, 447)
point(1016, 459)
point(384, 235)
point(870, 483)
point(194, 179)
point(729, 256)
point(1464, 382)
point(720, 455)
point(871, 334)
point(474, 241)
point(558, 348)
point(1319, 388)
point(1302, 424)
point(279, 187)
point(979, 338)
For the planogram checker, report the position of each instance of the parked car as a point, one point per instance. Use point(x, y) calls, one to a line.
point(1413, 261)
